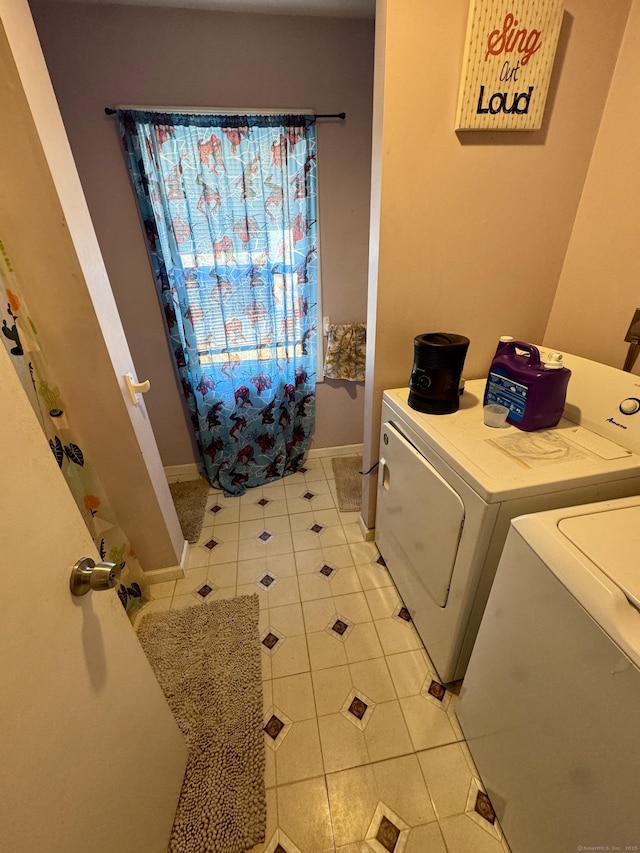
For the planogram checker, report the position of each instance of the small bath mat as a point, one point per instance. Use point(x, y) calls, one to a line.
point(207, 660)
point(348, 482)
point(190, 499)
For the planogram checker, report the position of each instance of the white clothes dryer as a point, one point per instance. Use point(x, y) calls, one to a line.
point(549, 705)
point(448, 486)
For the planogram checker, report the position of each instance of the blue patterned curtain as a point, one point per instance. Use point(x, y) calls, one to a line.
point(228, 205)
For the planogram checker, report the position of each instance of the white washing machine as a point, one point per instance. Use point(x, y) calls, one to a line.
point(551, 699)
point(448, 487)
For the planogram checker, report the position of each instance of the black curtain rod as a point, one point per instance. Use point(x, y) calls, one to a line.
point(111, 112)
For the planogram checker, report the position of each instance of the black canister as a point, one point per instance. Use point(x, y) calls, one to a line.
point(438, 358)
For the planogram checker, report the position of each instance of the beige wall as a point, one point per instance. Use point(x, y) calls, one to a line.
point(599, 287)
point(473, 227)
point(105, 56)
point(469, 231)
point(47, 232)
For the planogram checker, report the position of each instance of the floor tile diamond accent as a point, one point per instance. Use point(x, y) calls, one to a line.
point(302, 469)
point(270, 641)
point(274, 727)
point(327, 571)
point(480, 810)
point(281, 843)
point(381, 561)
point(210, 544)
point(484, 808)
point(265, 536)
point(438, 690)
point(436, 693)
point(204, 590)
point(358, 708)
point(263, 502)
point(316, 528)
point(388, 834)
point(403, 613)
point(308, 496)
point(215, 509)
point(267, 580)
point(339, 627)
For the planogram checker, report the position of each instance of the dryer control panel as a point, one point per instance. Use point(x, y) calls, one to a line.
point(603, 399)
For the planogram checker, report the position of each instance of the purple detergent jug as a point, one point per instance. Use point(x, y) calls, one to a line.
point(534, 390)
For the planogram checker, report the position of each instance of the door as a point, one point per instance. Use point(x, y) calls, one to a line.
point(418, 523)
point(91, 756)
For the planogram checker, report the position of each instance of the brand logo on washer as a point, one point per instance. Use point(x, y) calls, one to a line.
point(615, 423)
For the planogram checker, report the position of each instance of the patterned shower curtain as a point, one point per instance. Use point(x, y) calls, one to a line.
point(228, 207)
point(24, 344)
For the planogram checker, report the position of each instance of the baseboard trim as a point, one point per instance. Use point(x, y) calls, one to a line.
point(193, 470)
point(369, 533)
point(340, 450)
point(168, 573)
point(180, 473)
point(185, 555)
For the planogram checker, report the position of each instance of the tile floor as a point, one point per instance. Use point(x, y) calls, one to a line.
point(364, 752)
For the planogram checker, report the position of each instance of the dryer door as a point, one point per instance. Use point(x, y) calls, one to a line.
point(419, 522)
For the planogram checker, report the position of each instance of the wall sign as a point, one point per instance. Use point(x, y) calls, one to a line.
point(508, 57)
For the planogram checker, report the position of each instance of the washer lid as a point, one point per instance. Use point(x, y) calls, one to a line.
point(611, 540)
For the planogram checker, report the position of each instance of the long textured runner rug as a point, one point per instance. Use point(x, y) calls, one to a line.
point(207, 660)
